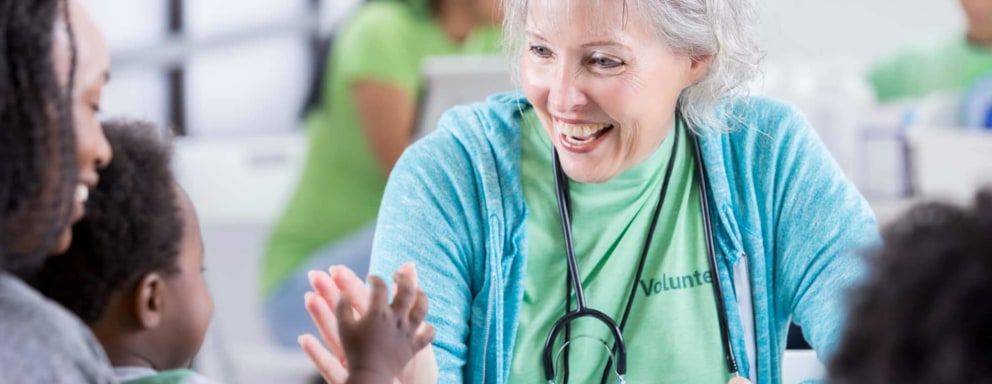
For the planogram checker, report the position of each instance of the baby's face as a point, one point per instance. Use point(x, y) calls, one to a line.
point(189, 291)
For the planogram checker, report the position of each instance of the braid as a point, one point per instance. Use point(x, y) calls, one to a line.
point(37, 139)
point(69, 175)
point(71, 34)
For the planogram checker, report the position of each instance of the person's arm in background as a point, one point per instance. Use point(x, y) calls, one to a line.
point(919, 70)
point(381, 75)
point(891, 78)
point(387, 114)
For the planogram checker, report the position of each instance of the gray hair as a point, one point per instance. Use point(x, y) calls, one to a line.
point(725, 30)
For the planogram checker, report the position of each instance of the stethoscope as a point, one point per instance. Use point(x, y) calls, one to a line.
point(574, 282)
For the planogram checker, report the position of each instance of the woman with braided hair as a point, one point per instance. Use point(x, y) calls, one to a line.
point(53, 65)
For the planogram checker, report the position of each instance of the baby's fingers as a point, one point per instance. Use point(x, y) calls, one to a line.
point(406, 294)
point(380, 294)
point(423, 337)
point(346, 315)
point(419, 311)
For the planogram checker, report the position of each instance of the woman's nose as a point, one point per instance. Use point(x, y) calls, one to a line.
point(565, 92)
point(100, 151)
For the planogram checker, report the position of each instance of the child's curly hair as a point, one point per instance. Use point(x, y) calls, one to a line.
point(925, 314)
point(132, 226)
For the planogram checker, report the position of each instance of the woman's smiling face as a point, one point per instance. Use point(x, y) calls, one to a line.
point(91, 72)
point(603, 83)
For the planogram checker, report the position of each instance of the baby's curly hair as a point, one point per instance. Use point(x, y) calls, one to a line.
point(132, 227)
point(925, 314)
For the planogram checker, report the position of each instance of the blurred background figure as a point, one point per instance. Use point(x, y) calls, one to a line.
point(923, 315)
point(356, 134)
point(935, 65)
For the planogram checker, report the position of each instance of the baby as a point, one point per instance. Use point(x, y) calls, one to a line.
point(134, 272)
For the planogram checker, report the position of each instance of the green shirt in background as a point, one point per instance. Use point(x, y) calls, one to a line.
point(341, 186)
point(673, 333)
point(949, 65)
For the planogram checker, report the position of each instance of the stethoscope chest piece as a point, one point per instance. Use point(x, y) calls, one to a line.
point(574, 282)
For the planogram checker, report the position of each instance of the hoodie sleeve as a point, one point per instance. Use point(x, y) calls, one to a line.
point(821, 226)
point(431, 215)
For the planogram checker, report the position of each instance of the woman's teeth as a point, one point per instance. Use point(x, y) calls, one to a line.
point(82, 193)
point(580, 133)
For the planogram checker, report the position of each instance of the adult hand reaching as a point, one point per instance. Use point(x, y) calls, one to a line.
point(341, 286)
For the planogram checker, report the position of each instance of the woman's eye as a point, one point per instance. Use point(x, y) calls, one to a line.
point(605, 62)
point(540, 51)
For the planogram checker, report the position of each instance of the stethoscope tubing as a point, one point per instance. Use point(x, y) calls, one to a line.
point(582, 310)
point(711, 253)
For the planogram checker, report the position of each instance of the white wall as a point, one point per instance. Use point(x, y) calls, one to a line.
point(833, 29)
point(247, 63)
point(818, 51)
point(855, 30)
point(267, 79)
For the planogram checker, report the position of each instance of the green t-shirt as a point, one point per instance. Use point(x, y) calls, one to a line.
point(938, 66)
point(673, 333)
point(172, 376)
point(341, 186)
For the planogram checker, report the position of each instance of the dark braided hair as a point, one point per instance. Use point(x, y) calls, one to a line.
point(37, 141)
point(132, 227)
point(924, 315)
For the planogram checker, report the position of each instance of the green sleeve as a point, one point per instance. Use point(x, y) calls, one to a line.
point(889, 77)
point(376, 46)
point(928, 67)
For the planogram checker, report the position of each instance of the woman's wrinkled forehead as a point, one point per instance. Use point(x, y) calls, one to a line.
point(603, 19)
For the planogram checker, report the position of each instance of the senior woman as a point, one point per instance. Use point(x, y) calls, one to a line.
point(631, 213)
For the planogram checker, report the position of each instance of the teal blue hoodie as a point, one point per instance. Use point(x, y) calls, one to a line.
point(788, 231)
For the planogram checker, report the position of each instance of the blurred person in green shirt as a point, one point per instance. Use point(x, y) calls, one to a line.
point(356, 133)
point(939, 66)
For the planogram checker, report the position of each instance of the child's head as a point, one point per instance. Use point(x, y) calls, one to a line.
point(924, 314)
point(134, 272)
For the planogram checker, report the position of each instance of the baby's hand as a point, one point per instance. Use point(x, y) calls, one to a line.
point(382, 342)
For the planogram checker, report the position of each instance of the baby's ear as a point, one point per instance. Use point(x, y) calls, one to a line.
point(148, 301)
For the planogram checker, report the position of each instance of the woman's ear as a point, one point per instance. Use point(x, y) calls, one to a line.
point(148, 301)
point(698, 67)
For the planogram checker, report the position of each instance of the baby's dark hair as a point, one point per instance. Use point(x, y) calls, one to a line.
point(924, 316)
point(132, 227)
